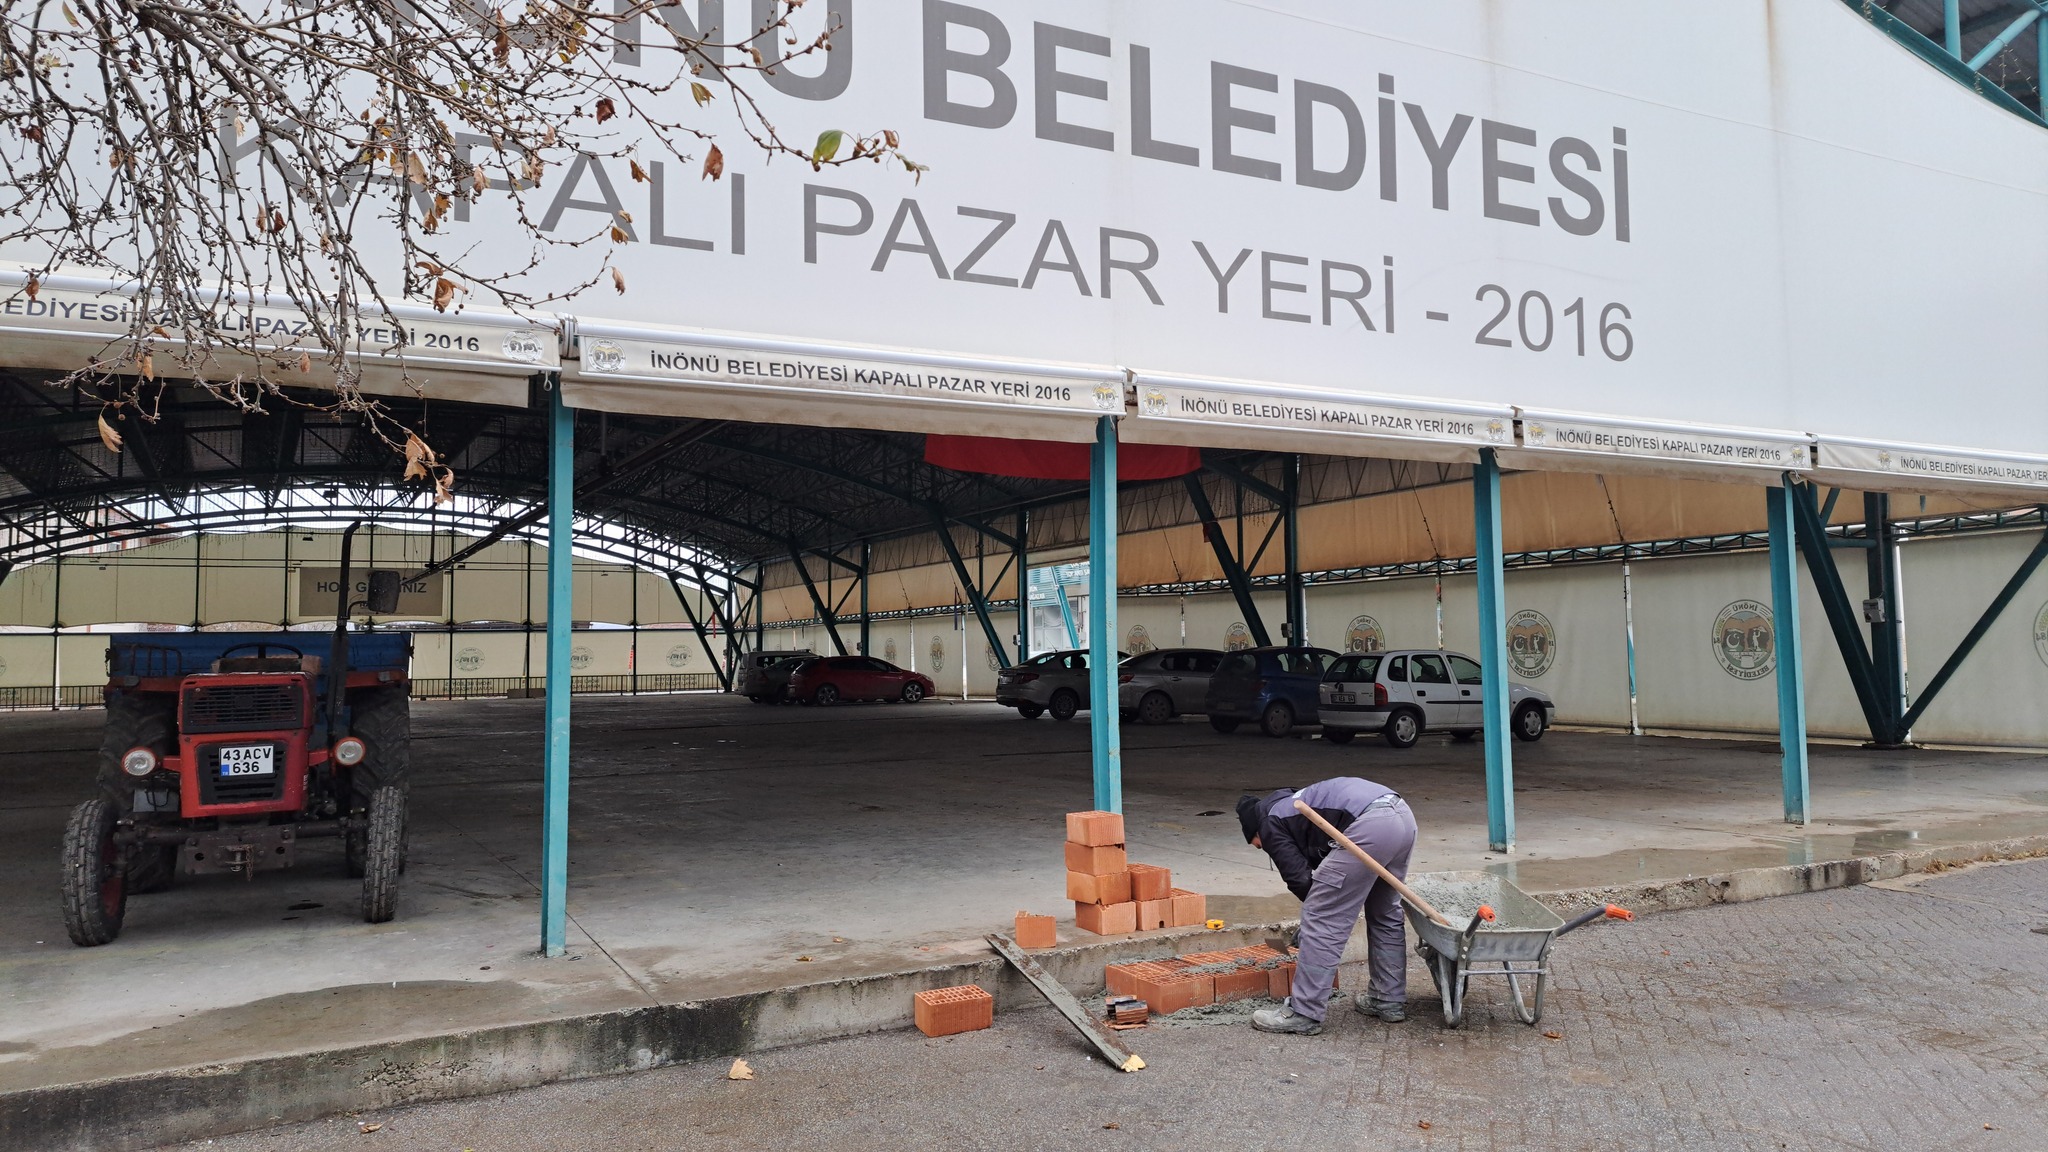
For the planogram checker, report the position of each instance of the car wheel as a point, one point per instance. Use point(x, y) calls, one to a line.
point(1463, 735)
point(1065, 704)
point(1223, 724)
point(1338, 735)
point(1402, 728)
point(1529, 723)
point(912, 693)
point(1031, 711)
point(825, 696)
point(1155, 708)
point(1278, 719)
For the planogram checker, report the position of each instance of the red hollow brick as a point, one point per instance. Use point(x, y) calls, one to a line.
point(1036, 931)
point(1154, 914)
point(1095, 829)
point(1149, 882)
point(1189, 908)
point(1169, 988)
point(1096, 861)
point(945, 1011)
point(1280, 981)
point(1107, 919)
point(1114, 888)
point(1242, 984)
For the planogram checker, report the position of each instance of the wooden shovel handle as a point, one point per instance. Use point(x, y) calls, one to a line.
point(1366, 859)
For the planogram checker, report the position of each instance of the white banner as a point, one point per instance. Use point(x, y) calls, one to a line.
point(1254, 415)
point(1914, 468)
point(1746, 214)
point(73, 321)
point(1551, 440)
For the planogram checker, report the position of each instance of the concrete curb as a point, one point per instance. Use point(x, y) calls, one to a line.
point(145, 1111)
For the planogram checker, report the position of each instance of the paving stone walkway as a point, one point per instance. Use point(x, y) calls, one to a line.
point(1893, 1018)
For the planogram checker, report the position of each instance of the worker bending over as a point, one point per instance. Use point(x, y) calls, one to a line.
point(1333, 886)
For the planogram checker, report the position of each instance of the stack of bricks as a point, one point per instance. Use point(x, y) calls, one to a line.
point(1111, 895)
point(946, 1011)
point(1203, 978)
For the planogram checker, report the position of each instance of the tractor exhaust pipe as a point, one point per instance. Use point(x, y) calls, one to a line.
point(337, 652)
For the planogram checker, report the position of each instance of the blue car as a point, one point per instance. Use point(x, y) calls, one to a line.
point(1276, 688)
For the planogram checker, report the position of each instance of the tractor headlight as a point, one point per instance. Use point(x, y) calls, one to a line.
point(139, 762)
point(349, 751)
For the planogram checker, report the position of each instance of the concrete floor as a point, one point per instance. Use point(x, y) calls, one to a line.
point(722, 847)
point(1902, 1016)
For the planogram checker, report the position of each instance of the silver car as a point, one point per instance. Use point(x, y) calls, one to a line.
point(1055, 682)
point(760, 679)
point(1156, 686)
point(1402, 694)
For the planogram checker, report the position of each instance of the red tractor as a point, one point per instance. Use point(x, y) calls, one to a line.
point(224, 750)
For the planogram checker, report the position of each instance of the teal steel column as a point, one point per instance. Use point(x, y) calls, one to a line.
point(1104, 737)
point(1493, 653)
point(1785, 636)
point(554, 848)
point(1952, 27)
point(1023, 585)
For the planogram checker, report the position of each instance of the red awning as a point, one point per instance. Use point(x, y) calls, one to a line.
point(1055, 460)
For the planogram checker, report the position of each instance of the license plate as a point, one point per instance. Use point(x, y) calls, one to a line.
point(247, 760)
point(1343, 697)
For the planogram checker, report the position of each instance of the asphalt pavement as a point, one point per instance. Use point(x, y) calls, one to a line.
point(1893, 1018)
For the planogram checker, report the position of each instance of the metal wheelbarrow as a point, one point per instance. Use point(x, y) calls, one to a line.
point(1507, 933)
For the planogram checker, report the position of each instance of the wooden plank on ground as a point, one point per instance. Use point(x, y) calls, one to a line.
point(1112, 1049)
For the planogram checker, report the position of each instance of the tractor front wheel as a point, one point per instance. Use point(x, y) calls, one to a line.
point(383, 854)
point(95, 879)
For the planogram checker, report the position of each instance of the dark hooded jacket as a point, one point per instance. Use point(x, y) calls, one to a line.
point(1298, 846)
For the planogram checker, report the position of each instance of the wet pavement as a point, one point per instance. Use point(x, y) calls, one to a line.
point(720, 847)
point(1902, 1017)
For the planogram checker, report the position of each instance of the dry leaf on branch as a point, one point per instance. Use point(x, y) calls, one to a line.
point(148, 366)
point(34, 285)
point(702, 94)
point(417, 457)
point(444, 293)
point(619, 281)
point(714, 163)
point(639, 173)
point(739, 1071)
point(108, 436)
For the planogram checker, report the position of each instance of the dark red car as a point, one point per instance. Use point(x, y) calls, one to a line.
point(830, 679)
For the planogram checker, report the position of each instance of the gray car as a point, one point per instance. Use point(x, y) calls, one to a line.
point(760, 680)
point(1055, 682)
point(1154, 687)
point(1402, 694)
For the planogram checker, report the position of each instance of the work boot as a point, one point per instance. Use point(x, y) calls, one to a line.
point(1391, 1011)
point(1285, 1019)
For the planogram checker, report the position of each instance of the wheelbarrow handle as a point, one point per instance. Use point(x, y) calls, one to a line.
point(1609, 911)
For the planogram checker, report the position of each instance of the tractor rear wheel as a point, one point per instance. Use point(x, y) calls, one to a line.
point(382, 719)
point(135, 721)
point(383, 854)
point(95, 880)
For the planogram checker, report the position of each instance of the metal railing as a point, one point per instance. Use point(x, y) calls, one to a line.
point(40, 696)
point(473, 687)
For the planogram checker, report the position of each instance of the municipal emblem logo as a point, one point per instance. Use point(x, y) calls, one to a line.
point(525, 346)
point(1137, 641)
point(1745, 640)
point(1532, 643)
point(579, 658)
point(938, 652)
point(1109, 397)
point(679, 656)
point(889, 650)
point(2041, 634)
point(603, 356)
point(1365, 635)
point(1152, 402)
point(469, 659)
point(1236, 638)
